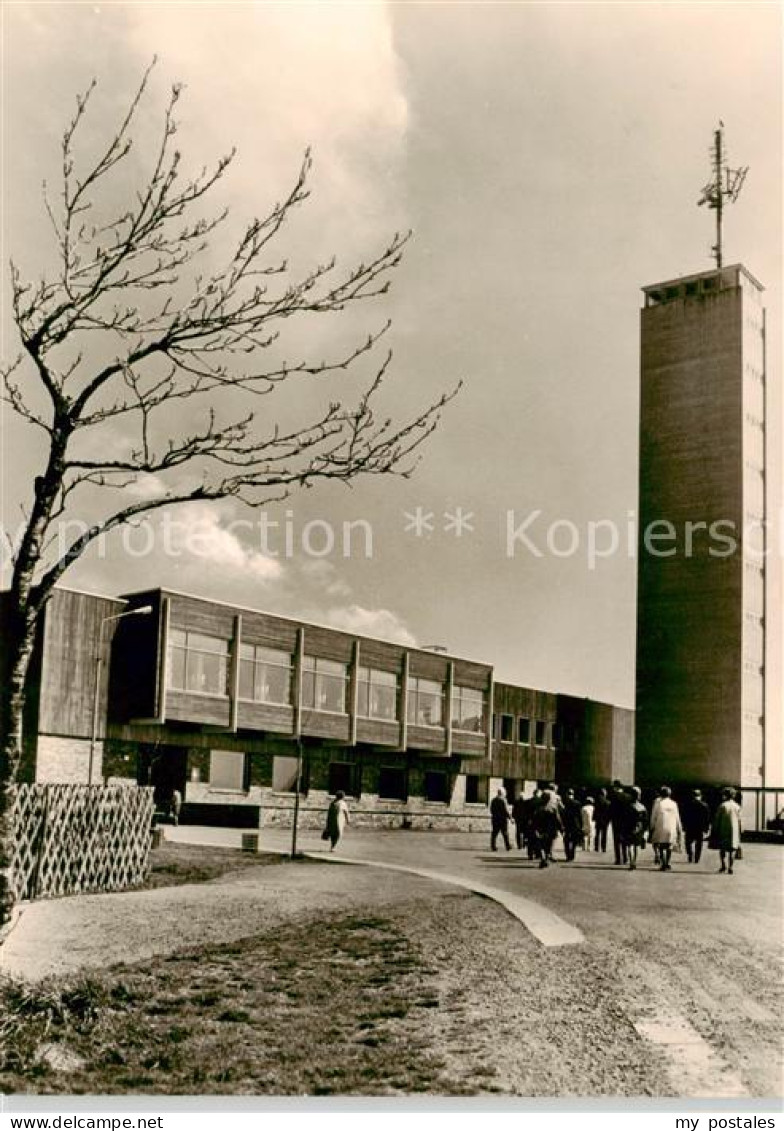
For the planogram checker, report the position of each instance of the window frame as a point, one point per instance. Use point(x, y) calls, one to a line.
point(462, 694)
point(401, 795)
point(414, 692)
point(365, 682)
point(255, 663)
point(479, 799)
point(318, 673)
point(186, 650)
point(241, 758)
point(511, 728)
point(429, 777)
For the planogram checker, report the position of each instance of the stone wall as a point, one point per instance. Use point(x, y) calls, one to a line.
point(67, 760)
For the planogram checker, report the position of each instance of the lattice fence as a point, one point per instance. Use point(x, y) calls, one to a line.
point(71, 838)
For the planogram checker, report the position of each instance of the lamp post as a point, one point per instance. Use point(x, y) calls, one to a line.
point(143, 610)
point(297, 787)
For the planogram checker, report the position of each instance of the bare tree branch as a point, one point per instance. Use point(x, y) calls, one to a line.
point(129, 331)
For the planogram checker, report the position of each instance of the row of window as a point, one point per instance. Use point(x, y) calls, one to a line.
point(229, 771)
point(200, 664)
point(523, 730)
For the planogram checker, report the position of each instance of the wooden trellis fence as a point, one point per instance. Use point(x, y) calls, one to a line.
point(71, 838)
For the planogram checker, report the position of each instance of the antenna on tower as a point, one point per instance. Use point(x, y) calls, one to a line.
point(725, 186)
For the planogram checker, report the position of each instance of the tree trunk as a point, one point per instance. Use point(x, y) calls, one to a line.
point(19, 632)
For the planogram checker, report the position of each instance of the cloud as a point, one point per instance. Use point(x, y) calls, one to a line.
point(199, 534)
point(275, 79)
point(323, 575)
point(380, 623)
point(147, 487)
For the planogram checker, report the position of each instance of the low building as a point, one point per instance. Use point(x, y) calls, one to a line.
point(233, 707)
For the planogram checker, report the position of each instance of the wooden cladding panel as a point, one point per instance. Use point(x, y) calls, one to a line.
point(427, 738)
point(72, 629)
point(469, 744)
point(327, 644)
point(322, 725)
point(271, 632)
point(384, 657)
point(426, 665)
point(265, 716)
point(476, 676)
point(184, 707)
point(200, 616)
point(376, 732)
point(508, 699)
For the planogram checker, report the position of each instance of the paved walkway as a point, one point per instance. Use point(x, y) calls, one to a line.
point(590, 897)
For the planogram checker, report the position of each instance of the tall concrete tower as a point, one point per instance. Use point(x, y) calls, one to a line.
point(701, 582)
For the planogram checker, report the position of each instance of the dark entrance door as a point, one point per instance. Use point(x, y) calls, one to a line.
point(164, 768)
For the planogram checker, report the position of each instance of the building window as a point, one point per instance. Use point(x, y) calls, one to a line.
point(476, 789)
point(265, 675)
point(558, 735)
point(523, 730)
point(198, 663)
point(425, 702)
point(284, 774)
point(468, 710)
point(345, 776)
point(393, 783)
point(436, 786)
point(504, 728)
point(376, 694)
point(324, 685)
point(228, 770)
point(541, 733)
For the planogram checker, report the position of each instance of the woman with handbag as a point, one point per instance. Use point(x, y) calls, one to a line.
point(337, 819)
point(726, 830)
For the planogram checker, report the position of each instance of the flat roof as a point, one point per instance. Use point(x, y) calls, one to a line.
point(89, 593)
point(704, 275)
point(313, 624)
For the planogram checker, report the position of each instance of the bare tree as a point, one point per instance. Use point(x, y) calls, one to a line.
point(128, 293)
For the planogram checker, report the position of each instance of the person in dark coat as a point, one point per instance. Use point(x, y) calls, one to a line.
point(634, 824)
point(531, 840)
point(499, 819)
point(520, 818)
point(619, 800)
point(572, 824)
point(601, 820)
point(695, 818)
point(547, 825)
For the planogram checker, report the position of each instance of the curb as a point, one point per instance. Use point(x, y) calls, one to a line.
point(547, 928)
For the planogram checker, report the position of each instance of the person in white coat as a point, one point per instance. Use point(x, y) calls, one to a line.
point(726, 830)
point(666, 829)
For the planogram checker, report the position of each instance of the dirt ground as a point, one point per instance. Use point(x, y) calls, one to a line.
point(410, 986)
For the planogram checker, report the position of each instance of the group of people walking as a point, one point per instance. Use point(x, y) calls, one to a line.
point(584, 822)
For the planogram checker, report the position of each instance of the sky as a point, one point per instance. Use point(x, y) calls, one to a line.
point(548, 159)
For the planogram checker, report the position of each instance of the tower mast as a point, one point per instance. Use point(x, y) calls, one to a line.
point(725, 185)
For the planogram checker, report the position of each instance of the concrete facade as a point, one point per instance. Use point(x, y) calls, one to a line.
point(701, 621)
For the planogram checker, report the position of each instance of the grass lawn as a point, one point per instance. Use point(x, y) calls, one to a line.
point(339, 1005)
point(174, 863)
